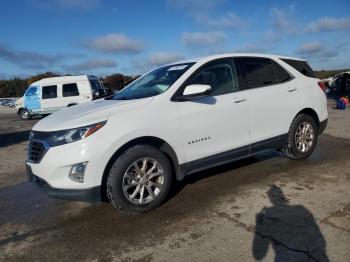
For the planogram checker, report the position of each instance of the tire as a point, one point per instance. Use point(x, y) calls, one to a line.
point(124, 174)
point(24, 114)
point(300, 145)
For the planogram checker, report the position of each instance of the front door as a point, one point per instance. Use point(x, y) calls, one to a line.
point(216, 125)
point(32, 99)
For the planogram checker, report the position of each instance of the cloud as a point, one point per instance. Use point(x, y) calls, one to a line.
point(229, 20)
point(282, 21)
point(156, 59)
point(30, 60)
point(203, 39)
point(115, 43)
point(329, 24)
point(199, 10)
point(92, 64)
point(252, 48)
point(161, 58)
point(83, 5)
point(195, 6)
point(316, 51)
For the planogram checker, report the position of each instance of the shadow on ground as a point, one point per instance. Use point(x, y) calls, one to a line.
point(291, 230)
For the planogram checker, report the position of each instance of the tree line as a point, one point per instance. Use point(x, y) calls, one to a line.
point(16, 87)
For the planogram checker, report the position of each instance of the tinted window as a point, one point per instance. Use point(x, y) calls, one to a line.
point(281, 74)
point(70, 90)
point(258, 71)
point(95, 85)
point(302, 66)
point(220, 75)
point(49, 92)
point(261, 72)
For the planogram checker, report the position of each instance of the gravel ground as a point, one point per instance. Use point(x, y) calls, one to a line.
point(266, 207)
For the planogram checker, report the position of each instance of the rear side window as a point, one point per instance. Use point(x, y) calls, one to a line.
point(302, 66)
point(49, 92)
point(70, 90)
point(261, 72)
point(95, 85)
point(281, 74)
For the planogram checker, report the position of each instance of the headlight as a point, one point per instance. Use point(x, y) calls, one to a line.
point(71, 135)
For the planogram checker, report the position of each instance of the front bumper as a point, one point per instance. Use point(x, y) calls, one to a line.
point(91, 195)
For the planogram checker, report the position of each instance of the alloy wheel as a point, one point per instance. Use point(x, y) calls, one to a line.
point(143, 181)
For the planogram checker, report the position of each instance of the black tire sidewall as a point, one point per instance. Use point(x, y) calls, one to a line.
point(302, 118)
point(115, 192)
point(21, 114)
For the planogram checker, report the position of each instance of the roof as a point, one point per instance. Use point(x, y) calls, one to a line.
point(212, 57)
point(64, 79)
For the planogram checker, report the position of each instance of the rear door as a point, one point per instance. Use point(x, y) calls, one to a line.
point(273, 99)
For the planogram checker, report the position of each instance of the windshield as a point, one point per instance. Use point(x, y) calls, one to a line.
point(153, 83)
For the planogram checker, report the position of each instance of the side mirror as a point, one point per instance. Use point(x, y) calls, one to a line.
point(196, 90)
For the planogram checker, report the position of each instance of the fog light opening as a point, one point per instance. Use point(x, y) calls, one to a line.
point(77, 172)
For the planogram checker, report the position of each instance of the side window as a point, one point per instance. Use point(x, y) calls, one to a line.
point(70, 90)
point(258, 71)
point(281, 74)
point(49, 92)
point(302, 66)
point(32, 91)
point(220, 75)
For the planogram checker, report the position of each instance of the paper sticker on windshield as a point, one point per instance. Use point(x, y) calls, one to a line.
point(178, 67)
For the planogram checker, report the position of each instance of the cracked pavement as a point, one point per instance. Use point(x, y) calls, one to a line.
point(264, 208)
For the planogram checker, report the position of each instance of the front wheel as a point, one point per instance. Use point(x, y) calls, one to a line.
point(302, 137)
point(24, 114)
point(139, 180)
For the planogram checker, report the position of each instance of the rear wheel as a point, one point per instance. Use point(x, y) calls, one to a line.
point(24, 114)
point(302, 137)
point(139, 180)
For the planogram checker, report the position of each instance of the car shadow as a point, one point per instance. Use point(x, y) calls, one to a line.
point(13, 138)
point(291, 230)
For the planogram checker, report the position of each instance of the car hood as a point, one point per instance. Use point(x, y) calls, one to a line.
point(87, 113)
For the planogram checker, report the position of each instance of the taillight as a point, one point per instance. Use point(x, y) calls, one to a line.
point(322, 85)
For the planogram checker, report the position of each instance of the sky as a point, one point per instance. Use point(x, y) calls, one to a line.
point(113, 36)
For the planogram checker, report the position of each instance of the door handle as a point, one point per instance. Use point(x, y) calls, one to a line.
point(239, 100)
point(292, 89)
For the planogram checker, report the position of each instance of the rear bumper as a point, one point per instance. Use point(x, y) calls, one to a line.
point(90, 195)
point(322, 126)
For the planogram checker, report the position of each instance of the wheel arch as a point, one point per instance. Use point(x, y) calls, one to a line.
point(149, 140)
point(311, 112)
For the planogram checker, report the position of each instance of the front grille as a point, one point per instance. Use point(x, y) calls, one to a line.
point(36, 151)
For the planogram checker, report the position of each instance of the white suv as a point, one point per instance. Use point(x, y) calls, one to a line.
point(173, 121)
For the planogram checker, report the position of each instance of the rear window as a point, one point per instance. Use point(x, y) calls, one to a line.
point(302, 66)
point(96, 85)
point(70, 90)
point(49, 92)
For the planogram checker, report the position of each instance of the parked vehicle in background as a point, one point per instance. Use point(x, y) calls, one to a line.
point(10, 102)
point(340, 84)
point(173, 121)
point(51, 94)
